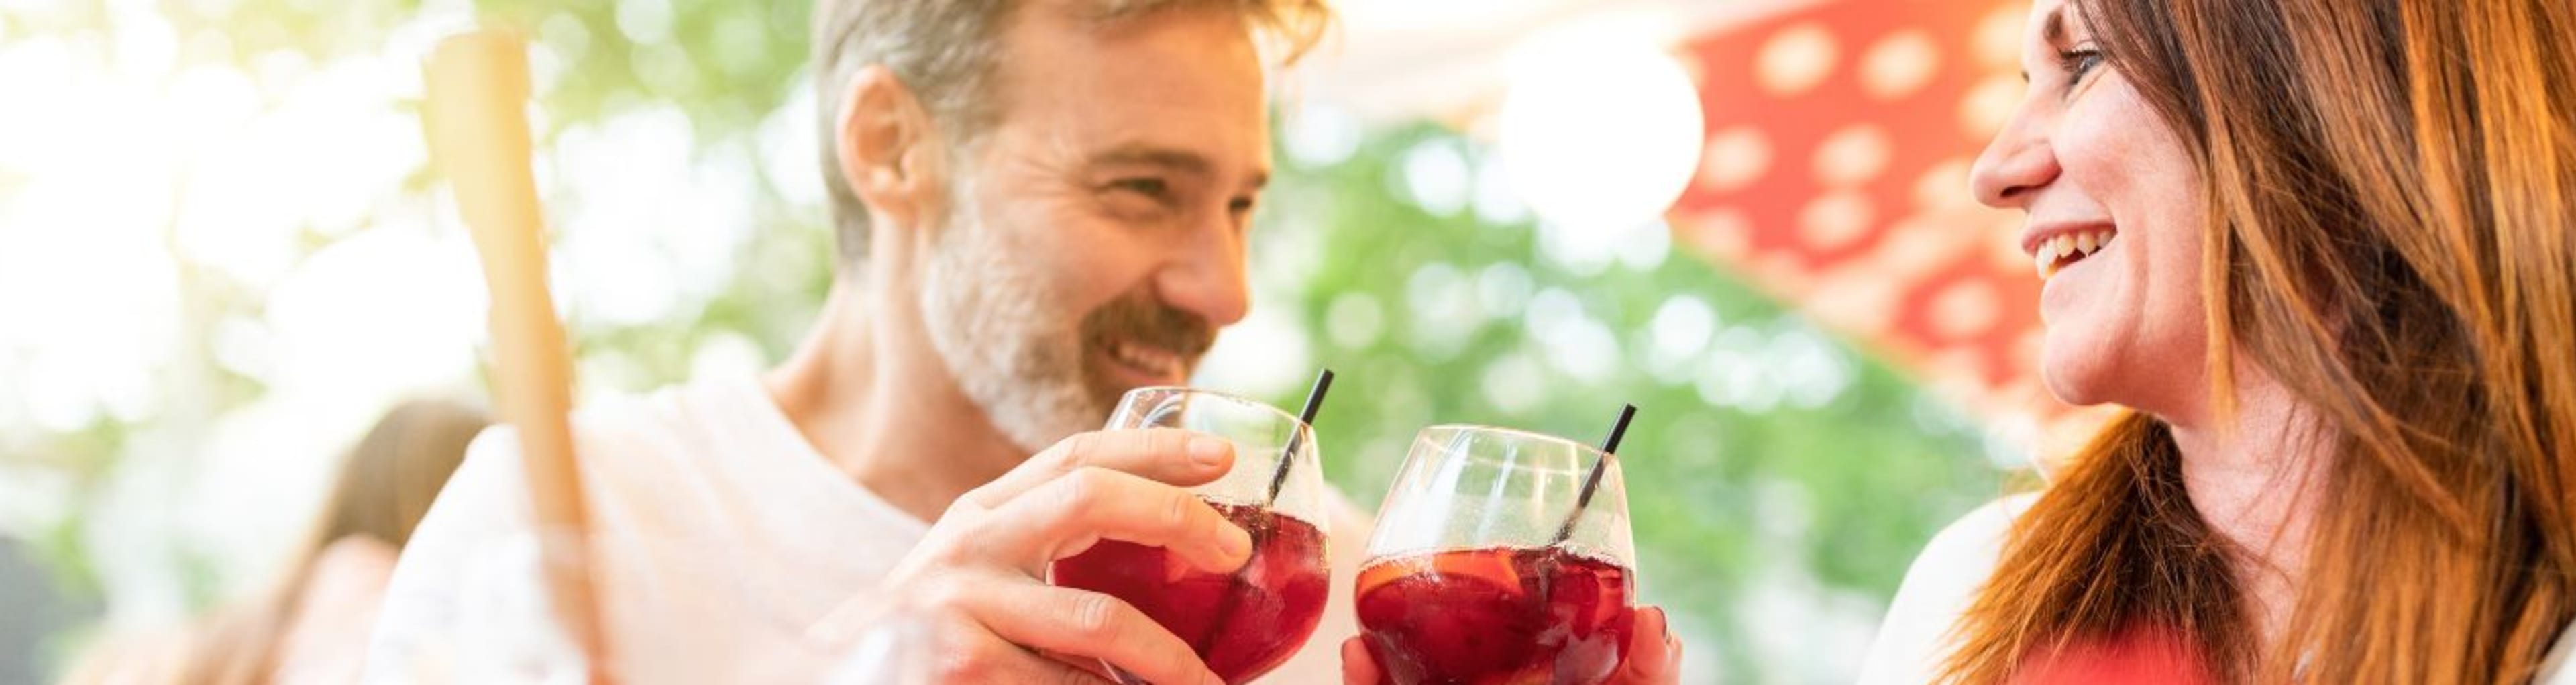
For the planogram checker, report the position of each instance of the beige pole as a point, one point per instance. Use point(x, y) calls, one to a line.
point(478, 137)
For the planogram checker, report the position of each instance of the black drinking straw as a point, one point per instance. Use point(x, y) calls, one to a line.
point(1297, 438)
point(1609, 450)
point(1279, 478)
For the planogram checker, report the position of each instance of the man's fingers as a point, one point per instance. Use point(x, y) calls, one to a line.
point(1086, 625)
point(1071, 513)
point(1654, 657)
point(1358, 668)
point(972, 654)
point(1172, 456)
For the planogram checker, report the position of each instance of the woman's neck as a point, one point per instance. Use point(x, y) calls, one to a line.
point(2256, 479)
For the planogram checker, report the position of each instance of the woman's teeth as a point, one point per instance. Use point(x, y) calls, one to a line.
point(2055, 253)
point(1151, 360)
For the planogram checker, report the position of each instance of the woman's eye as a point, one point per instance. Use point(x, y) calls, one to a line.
point(2079, 62)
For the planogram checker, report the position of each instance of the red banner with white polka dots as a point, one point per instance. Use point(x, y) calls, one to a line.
point(1835, 175)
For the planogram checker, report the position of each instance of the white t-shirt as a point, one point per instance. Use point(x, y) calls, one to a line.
point(1914, 639)
point(720, 538)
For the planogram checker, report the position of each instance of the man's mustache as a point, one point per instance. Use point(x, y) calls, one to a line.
point(1142, 318)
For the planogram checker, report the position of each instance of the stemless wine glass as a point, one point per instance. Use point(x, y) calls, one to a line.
point(1245, 623)
point(1467, 581)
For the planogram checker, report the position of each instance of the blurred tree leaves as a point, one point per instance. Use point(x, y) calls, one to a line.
point(1830, 495)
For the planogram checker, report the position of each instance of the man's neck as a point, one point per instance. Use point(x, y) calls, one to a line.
point(2256, 481)
point(870, 395)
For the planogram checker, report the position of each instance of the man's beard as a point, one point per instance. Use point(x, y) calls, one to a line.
point(1013, 343)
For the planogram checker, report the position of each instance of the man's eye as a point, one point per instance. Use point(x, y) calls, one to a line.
point(1149, 187)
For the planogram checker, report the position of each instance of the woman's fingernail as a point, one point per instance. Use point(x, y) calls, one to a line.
point(1208, 451)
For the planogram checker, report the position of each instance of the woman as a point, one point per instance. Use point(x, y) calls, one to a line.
point(2324, 252)
point(313, 626)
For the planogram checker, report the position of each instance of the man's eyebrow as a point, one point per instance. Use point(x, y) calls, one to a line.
point(1182, 161)
point(1170, 159)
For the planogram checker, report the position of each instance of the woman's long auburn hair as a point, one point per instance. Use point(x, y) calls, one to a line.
point(2392, 236)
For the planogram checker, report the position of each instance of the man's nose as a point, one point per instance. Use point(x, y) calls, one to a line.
point(2019, 160)
point(1206, 275)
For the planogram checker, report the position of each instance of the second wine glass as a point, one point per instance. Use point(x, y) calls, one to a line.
point(1473, 576)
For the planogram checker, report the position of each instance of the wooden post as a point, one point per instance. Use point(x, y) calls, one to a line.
point(477, 124)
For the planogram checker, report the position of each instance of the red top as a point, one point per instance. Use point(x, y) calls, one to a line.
point(2137, 657)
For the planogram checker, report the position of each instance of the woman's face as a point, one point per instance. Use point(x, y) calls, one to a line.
point(2115, 217)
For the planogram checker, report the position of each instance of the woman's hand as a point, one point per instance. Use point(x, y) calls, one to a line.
point(1654, 657)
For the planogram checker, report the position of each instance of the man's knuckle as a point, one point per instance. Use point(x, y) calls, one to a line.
point(1082, 448)
point(1089, 484)
point(1178, 512)
point(969, 666)
point(1091, 615)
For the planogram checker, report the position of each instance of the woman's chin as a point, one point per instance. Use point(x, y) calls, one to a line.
point(2076, 379)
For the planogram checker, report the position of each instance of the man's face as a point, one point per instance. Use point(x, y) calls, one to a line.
point(1095, 238)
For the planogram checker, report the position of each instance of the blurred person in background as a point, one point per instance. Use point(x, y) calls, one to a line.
point(2324, 252)
point(311, 626)
point(1039, 205)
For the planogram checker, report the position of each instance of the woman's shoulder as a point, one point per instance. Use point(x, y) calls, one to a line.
point(1914, 638)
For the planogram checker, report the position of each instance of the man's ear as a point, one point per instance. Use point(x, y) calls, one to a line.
point(887, 147)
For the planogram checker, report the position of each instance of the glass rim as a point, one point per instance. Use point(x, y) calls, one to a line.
point(1581, 448)
point(1223, 395)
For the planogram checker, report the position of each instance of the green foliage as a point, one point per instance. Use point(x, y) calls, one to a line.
point(1725, 498)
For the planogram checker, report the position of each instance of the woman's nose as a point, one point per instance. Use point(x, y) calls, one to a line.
point(2017, 161)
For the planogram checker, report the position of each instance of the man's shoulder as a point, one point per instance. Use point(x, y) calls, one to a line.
point(674, 419)
point(676, 414)
point(1943, 580)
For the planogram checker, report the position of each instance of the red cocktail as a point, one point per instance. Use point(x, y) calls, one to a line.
point(1491, 567)
point(1242, 624)
point(1497, 616)
point(1246, 622)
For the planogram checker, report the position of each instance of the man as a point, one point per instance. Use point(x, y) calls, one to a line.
point(1040, 204)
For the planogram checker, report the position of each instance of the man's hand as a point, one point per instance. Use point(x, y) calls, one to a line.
point(980, 575)
point(1654, 657)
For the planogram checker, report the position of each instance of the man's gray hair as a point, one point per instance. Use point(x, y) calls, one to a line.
point(945, 52)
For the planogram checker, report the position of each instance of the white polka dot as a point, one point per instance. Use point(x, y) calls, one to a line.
point(1852, 156)
point(1899, 64)
point(2027, 348)
point(1911, 249)
point(1723, 232)
point(1960, 374)
point(1834, 221)
point(1965, 309)
point(1988, 105)
point(1997, 38)
point(1855, 303)
point(1944, 185)
point(1783, 272)
point(1796, 59)
point(1735, 158)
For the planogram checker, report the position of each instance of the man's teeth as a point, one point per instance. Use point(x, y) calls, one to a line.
point(2055, 253)
point(1149, 359)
